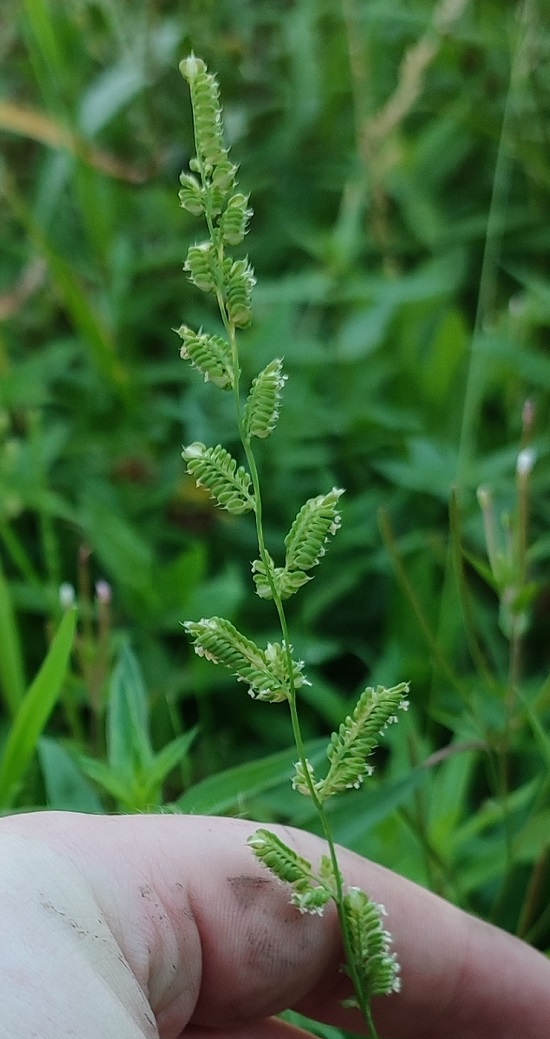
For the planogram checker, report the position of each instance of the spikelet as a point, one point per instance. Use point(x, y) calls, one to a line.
point(264, 671)
point(285, 582)
point(328, 877)
point(234, 220)
point(310, 894)
point(215, 469)
point(358, 735)
point(375, 965)
point(307, 537)
point(311, 900)
point(239, 283)
point(205, 97)
point(191, 194)
point(262, 407)
point(201, 266)
point(304, 778)
point(210, 355)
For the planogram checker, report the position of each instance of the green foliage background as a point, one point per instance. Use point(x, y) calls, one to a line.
point(398, 158)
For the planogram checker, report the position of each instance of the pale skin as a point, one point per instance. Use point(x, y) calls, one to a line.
point(166, 926)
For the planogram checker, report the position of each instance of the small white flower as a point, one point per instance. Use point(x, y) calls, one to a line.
point(103, 591)
point(191, 67)
point(525, 461)
point(67, 595)
point(484, 497)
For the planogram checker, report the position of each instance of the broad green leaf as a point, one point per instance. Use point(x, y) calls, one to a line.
point(541, 736)
point(353, 815)
point(67, 789)
point(534, 838)
point(118, 786)
point(229, 789)
point(128, 742)
point(169, 757)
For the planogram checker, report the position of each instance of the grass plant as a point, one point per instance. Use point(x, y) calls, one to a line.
point(273, 674)
point(409, 271)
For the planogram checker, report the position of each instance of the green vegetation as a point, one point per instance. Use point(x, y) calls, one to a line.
point(399, 162)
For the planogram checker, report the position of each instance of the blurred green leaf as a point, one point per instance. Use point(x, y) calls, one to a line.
point(129, 748)
point(67, 789)
point(231, 788)
point(34, 710)
point(12, 679)
point(169, 757)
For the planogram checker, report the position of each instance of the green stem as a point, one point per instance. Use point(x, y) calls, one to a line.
point(339, 897)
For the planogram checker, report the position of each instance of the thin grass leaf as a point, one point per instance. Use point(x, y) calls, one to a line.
point(12, 679)
point(170, 757)
point(541, 736)
point(129, 747)
point(35, 709)
point(120, 787)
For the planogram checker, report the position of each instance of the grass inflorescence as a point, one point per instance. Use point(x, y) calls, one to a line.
point(272, 673)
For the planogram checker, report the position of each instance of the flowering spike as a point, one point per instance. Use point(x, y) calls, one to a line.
point(239, 285)
point(262, 407)
point(210, 189)
point(265, 671)
point(210, 355)
point(357, 737)
point(234, 219)
point(375, 965)
point(285, 582)
point(205, 97)
point(306, 539)
point(201, 266)
point(215, 469)
point(284, 862)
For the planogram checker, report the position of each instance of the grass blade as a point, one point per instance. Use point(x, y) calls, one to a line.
point(12, 678)
point(34, 711)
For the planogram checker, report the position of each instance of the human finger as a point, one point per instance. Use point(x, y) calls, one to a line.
point(213, 939)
